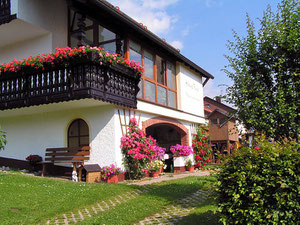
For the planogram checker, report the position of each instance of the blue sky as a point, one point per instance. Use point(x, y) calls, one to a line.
point(199, 28)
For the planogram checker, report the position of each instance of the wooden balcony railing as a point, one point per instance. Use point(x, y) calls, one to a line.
point(5, 13)
point(82, 78)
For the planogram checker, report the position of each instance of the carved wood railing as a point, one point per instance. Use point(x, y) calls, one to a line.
point(5, 13)
point(83, 78)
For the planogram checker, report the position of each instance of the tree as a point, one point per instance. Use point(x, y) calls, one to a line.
point(264, 67)
point(2, 139)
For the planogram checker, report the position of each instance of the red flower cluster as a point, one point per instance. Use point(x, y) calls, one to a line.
point(34, 159)
point(201, 147)
point(108, 171)
point(62, 56)
point(138, 150)
point(137, 144)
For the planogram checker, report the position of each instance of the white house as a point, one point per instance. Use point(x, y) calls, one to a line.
point(168, 106)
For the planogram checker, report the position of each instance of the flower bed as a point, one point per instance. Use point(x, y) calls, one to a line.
point(62, 57)
point(138, 151)
point(201, 147)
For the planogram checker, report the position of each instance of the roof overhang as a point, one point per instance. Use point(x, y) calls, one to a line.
point(138, 29)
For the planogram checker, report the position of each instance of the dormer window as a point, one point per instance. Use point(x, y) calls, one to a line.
point(158, 82)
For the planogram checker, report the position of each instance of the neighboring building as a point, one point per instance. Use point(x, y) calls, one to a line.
point(40, 110)
point(222, 127)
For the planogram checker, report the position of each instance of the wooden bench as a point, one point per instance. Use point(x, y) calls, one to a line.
point(75, 155)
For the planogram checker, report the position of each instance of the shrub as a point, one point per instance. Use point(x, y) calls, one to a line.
point(260, 185)
point(34, 159)
point(138, 150)
point(201, 147)
point(155, 165)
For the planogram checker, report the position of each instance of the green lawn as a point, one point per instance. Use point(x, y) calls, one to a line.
point(29, 200)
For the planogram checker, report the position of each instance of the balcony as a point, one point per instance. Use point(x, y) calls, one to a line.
point(5, 12)
point(80, 78)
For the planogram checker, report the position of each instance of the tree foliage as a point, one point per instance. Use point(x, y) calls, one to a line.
point(2, 139)
point(264, 67)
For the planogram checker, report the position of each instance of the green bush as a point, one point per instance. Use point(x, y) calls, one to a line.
point(260, 185)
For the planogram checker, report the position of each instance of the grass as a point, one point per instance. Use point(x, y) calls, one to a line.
point(22, 195)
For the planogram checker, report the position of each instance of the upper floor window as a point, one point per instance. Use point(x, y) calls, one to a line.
point(158, 82)
point(95, 34)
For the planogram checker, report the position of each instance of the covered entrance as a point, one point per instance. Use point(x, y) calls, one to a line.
point(166, 136)
point(167, 132)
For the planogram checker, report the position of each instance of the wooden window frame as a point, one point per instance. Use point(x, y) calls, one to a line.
point(93, 27)
point(78, 136)
point(145, 78)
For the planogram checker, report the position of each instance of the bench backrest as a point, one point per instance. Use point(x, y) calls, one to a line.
point(68, 155)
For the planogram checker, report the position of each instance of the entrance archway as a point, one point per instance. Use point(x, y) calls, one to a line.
point(167, 132)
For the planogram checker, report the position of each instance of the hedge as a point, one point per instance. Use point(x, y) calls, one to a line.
point(260, 185)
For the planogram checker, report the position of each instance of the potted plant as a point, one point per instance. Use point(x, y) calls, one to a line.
point(110, 173)
point(155, 167)
point(189, 165)
point(34, 160)
point(180, 155)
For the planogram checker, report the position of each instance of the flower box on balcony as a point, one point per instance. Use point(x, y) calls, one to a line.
point(69, 74)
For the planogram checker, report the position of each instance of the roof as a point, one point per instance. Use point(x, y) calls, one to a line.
point(207, 109)
point(92, 168)
point(219, 111)
point(218, 104)
point(127, 21)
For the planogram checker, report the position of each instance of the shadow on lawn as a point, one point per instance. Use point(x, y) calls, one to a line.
point(173, 190)
point(200, 218)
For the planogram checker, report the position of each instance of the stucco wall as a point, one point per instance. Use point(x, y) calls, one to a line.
point(50, 15)
point(190, 90)
point(32, 134)
point(40, 27)
point(20, 50)
point(141, 117)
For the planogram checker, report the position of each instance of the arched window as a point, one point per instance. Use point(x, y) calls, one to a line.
point(78, 134)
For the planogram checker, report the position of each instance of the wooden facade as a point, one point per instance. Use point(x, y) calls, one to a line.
point(222, 128)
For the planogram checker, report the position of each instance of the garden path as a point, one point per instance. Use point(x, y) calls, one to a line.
point(198, 173)
point(169, 215)
point(180, 208)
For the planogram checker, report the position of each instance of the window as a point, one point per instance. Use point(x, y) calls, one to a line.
point(78, 134)
point(158, 82)
point(222, 121)
point(214, 121)
point(95, 34)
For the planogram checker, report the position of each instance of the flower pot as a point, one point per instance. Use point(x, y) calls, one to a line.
point(112, 179)
point(161, 170)
point(155, 174)
point(121, 177)
point(191, 169)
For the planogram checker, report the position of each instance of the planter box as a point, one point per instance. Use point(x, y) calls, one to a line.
point(179, 164)
point(112, 179)
point(121, 177)
point(155, 174)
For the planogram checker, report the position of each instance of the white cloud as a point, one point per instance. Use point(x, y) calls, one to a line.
point(177, 44)
point(185, 31)
point(210, 90)
point(152, 13)
point(213, 3)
